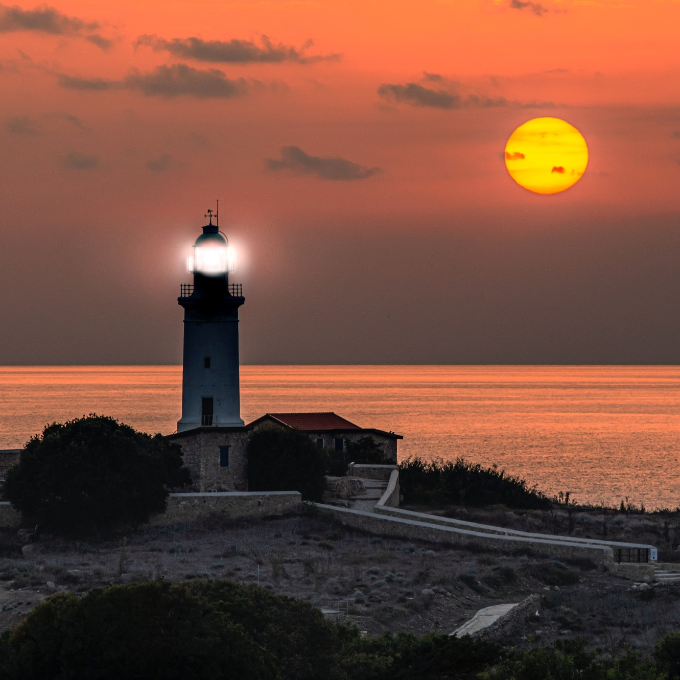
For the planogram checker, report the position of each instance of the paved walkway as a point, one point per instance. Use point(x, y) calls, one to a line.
point(483, 619)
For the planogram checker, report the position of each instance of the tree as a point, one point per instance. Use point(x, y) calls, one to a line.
point(283, 459)
point(92, 475)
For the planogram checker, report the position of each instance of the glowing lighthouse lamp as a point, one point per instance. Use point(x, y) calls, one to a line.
point(210, 376)
point(212, 259)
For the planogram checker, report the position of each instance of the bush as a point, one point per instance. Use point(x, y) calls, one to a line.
point(283, 459)
point(463, 483)
point(91, 475)
point(364, 451)
point(153, 630)
point(569, 660)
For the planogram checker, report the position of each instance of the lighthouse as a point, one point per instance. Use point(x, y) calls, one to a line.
point(210, 378)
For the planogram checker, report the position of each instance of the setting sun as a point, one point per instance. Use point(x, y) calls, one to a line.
point(546, 155)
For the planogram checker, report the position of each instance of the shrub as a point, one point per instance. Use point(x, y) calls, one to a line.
point(363, 451)
point(93, 474)
point(283, 459)
point(463, 483)
point(152, 630)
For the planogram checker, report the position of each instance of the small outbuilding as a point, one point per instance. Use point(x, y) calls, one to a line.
point(217, 456)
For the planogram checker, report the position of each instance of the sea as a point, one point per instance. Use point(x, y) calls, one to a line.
point(601, 433)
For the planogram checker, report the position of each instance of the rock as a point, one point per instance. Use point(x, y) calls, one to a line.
point(50, 585)
point(28, 550)
point(427, 592)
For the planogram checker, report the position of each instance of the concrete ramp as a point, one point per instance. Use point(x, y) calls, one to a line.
point(484, 618)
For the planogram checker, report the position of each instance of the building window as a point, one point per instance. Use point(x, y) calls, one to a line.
point(224, 456)
point(206, 411)
point(206, 362)
point(339, 444)
point(319, 442)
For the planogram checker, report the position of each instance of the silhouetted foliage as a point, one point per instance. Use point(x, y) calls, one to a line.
point(667, 656)
point(365, 450)
point(283, 459)
point(569, 660)
point(92, 475)
point(463, 483)
point(295, 633)
point(406, 656)
point(152, 630)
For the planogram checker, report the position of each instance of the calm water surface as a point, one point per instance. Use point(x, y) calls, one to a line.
point(602, 433)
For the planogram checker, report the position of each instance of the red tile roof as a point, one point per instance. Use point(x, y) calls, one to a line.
point(315, 422)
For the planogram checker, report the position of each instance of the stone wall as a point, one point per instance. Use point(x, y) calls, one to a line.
point(462, 538)
point(190, 506)
point(643, 573)
point(201, 454)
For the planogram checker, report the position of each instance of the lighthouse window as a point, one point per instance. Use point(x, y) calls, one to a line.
point(207, 411)
point(319, 443)
point(339, 444)
point(206, 362)
point(224, 456)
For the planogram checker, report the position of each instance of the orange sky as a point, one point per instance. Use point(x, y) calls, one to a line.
point(113, 147)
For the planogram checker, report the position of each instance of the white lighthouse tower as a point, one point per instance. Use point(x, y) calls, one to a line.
point(210, 380)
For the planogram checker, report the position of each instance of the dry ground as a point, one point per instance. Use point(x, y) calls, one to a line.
point(383, 584)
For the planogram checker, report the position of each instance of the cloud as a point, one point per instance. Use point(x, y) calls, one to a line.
point(535, 7)
point(295, 159)
point(49, 20)
point(165, 81)
point(22, 125)
point(558, 169)
point(447, 97)
point(514, 156)
point(159, 164)
point(81, 161)
point(180, 79)
point(233, 51)
point(99, 41)
point(92, 84)
point(676, 134)
point(417, 95)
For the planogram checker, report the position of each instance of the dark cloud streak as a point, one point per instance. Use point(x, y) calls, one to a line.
point(51, 21)
point(535, 7)
point(81, 161)
point(22, 125)
point(233, 51)
point(180, 79)
point(419, 96)
point(295, 159)
point(165, 81)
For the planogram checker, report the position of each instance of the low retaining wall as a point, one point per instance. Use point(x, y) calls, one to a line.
point(381, 472)
point(489, 529)
point(9, 517)
point(189, 506)
point(415, 530)
point(391, 496)
point(644, 573)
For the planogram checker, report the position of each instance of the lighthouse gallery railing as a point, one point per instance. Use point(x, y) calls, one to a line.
point(234, 289)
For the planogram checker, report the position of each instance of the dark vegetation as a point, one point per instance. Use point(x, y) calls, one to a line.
point(362, 451)
point(218, 629)
point(468, 484)
point(283, 459)
point(93, 475)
